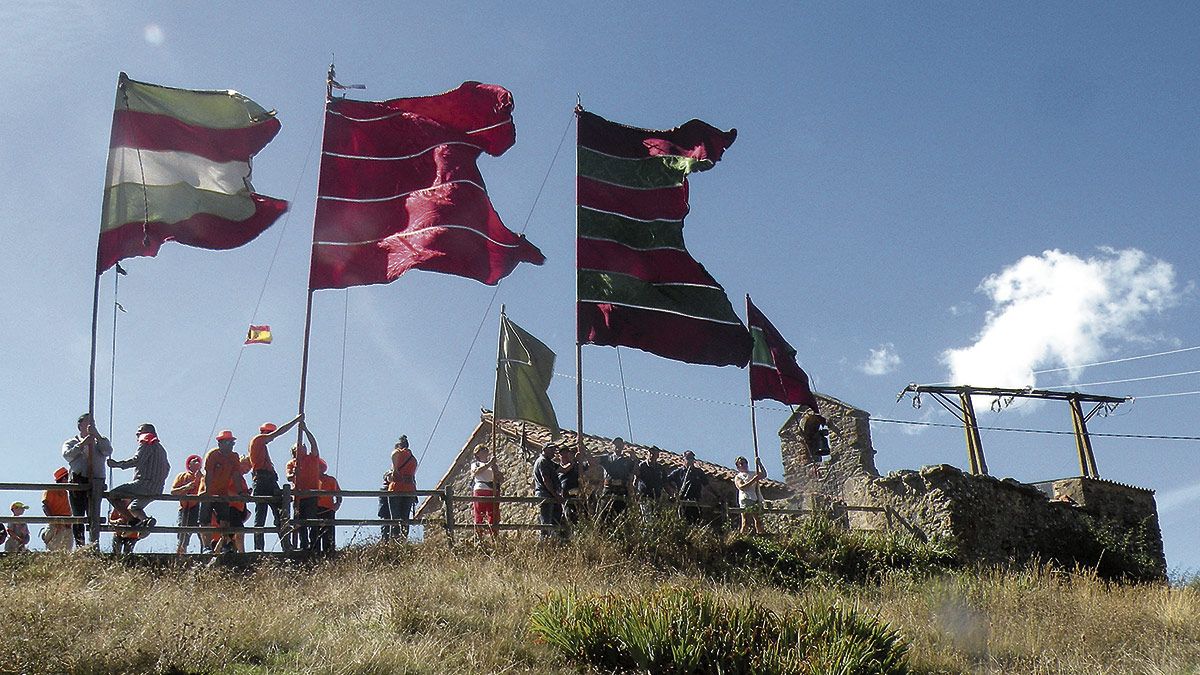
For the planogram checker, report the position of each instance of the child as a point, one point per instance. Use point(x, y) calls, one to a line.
point(18, 533)
point(749, 495)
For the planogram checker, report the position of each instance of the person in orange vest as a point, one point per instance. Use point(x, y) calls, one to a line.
point(263, 478)
point(221, 466)
point(304, 472)
point(404, 480)
point(327, 506)
point(187, 482)
point(239, 511)
point(58, 503)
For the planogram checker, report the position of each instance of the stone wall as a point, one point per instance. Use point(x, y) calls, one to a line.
point(989, 519)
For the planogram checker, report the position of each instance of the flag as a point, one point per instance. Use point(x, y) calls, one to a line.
point(179, 170)
point(774, 373)
point(400, 190)
point(523, 371)
point(258, 335)
point(638, 285)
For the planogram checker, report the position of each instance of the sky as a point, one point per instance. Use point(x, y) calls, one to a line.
point(996, 195)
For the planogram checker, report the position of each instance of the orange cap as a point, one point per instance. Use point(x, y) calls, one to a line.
point(226, 435)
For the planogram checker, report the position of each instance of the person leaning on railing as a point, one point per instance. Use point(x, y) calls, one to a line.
point(57, 537)
point(327, 506)
point(570, 476)
point(404, 480)
point(222, 466)
point(304, 472)
point(548, 486)
point(85, 454)
point(264, 478)
point(689, 481)
point(187, 482)
point(620, 470)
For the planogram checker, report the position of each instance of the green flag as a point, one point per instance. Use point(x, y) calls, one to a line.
point(523, 371)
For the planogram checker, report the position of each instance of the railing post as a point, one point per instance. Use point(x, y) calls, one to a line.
point(448, 498)
point(95, 490)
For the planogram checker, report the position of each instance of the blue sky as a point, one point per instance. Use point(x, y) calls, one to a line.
point(1014, 182)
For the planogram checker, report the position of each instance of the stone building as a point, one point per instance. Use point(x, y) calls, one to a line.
point(521, 443)
point(989, 519)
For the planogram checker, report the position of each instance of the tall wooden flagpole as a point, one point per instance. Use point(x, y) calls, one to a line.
point(496, 389)
point(750, 386)
point(578, 345)
point(308, 303)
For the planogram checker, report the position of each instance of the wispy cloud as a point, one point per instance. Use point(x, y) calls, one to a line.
point(881, 361)
point(1059, 309)
point(1174, 500)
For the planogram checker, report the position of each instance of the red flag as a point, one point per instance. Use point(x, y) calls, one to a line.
point(638, 286)
point(400, 190)
point(774, 373)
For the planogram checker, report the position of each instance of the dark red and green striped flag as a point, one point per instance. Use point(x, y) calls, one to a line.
point(179, 170)
point(638, 285)
point(774, 373)
point(400, 190)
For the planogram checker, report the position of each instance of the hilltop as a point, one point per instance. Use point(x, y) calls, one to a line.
point(424, 608)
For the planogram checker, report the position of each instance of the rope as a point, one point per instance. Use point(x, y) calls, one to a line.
point(495, 291)
point(263, 291)
point(337, 461)
point(624, 395)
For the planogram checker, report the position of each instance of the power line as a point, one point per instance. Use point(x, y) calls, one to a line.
point(1122, 360)
point(885, 420)
point(1130, 379)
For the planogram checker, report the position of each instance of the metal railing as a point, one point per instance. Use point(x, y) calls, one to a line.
point(447, 520)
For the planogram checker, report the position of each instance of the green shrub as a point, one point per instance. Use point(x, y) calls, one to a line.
point(677, 631)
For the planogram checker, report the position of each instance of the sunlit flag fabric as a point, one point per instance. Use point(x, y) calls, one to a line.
point(179, 170)
point(400, 189)
point(258, 335)
point(523, 374)
point(638, 285)
point(774, 373)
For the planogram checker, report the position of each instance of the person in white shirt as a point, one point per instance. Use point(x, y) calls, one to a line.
point(485, 482)
point(750, 498)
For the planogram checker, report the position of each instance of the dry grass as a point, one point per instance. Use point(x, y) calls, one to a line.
point(425, 609)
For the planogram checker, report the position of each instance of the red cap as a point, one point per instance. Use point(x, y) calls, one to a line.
point(226, 435)
point(190, 458)
point(60, 473)
point(267, 428)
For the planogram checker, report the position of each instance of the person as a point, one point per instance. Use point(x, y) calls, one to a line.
point(651, 479)
point(264, 479)
point(816, 435)
point(304, 472)
point(404, 480)
point(548, 487)
point(239, 512)
point(58, 537)
point(485, 482)
point(570, 476)
point(385, 507)
point(222, 466)
point(123, 538)
point(327, 506)
point(150, 469)
point(619, 472)
point(187, 482)
point(18, 533)
point(85, 455)
point(750, 498)
point(689, 482)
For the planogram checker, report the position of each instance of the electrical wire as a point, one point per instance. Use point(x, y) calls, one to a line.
point(1121, 360)
point(1130, 379)
point(495, 291)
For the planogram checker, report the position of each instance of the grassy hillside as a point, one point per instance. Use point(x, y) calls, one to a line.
point(430, 609)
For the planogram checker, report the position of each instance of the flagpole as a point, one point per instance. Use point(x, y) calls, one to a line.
point(578, 345)
point(92, 369)
point(308, 303)
point(750, 387)
point(496, 392)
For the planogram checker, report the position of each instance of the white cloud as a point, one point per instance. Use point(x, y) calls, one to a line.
point(1058, 309)
point(881, 361)
point(153, 34)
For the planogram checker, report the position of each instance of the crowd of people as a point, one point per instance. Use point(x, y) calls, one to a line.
point(222, 472)
point(557, 480)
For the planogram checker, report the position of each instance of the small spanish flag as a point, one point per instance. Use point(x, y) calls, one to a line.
point(258, 335)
